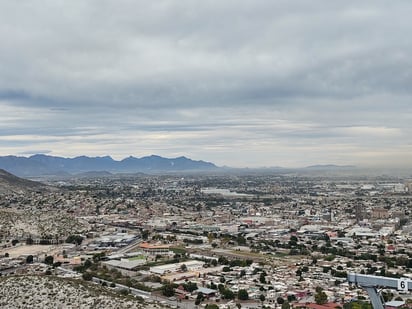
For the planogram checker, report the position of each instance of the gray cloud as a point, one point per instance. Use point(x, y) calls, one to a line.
point(270, 79)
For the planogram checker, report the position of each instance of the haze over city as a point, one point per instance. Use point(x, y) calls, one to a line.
point(237, 83)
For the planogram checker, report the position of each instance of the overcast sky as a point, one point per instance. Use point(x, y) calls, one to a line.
point(239, 83)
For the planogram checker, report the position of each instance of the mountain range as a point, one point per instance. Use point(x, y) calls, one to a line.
point(41, 164)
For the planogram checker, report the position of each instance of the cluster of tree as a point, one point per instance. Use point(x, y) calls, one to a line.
point(190, 286)
point(85, 266)
point(366, 256)
point(49, 260)
point(225, 292)
point(167, 239)
point(227, 238)
point(116, 277)
point(357, 305)
point(283, 303)
point(74, 239)
point(87, 276)
point(193, 241)
point(242, 294)
point(233, 263)
point(392, 261)
point(338, 272)
point(211, 306)
point(168, 289)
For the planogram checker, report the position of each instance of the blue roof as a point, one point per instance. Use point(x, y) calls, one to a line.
point(395, 303)
point(205, 290)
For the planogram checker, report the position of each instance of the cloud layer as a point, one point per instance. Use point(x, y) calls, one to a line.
point(240, 83)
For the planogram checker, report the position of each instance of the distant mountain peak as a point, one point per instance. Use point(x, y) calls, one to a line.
point(329, 166)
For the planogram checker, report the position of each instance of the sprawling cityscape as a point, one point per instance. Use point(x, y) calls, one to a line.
point(205, 154)
point(203, 240)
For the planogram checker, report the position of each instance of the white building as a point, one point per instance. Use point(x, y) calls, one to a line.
point(171, 268)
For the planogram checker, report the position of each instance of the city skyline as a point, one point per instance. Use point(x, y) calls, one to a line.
point(236, 83)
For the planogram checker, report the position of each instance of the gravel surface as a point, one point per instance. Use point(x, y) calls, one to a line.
point(52, 292)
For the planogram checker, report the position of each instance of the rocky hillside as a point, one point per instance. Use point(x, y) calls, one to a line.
point(12, 183)
point(52, 292)
point(38, 223)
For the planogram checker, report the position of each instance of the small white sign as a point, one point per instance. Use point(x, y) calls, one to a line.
point(403, 284)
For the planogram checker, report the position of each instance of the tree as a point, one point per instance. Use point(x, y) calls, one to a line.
point(280, 300)
point(199, 298)
point(87, 276)
point(387, 295)
point(145, 234)
point(87, 263)
point(227, 294)
point(262, 277)
point(190, 286)
point(293, 241)
point(241, 240)
point(6, 255)
point(221, 288)
point(29, 259)
point(168, 290)
point(14, 242)
point(320, 296)
point(49, 260)
point(285, 305)
point(223, 260)
point(98, 256)
point(262, 298)
point(74, 239)
point(183, 267)
point(210, 237)
point(243, 294)
point(212, 306)
point(57, 264)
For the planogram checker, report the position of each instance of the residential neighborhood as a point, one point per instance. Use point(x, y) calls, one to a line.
point(215, 241)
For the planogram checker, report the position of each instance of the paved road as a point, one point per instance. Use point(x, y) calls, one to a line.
point(133, 245)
